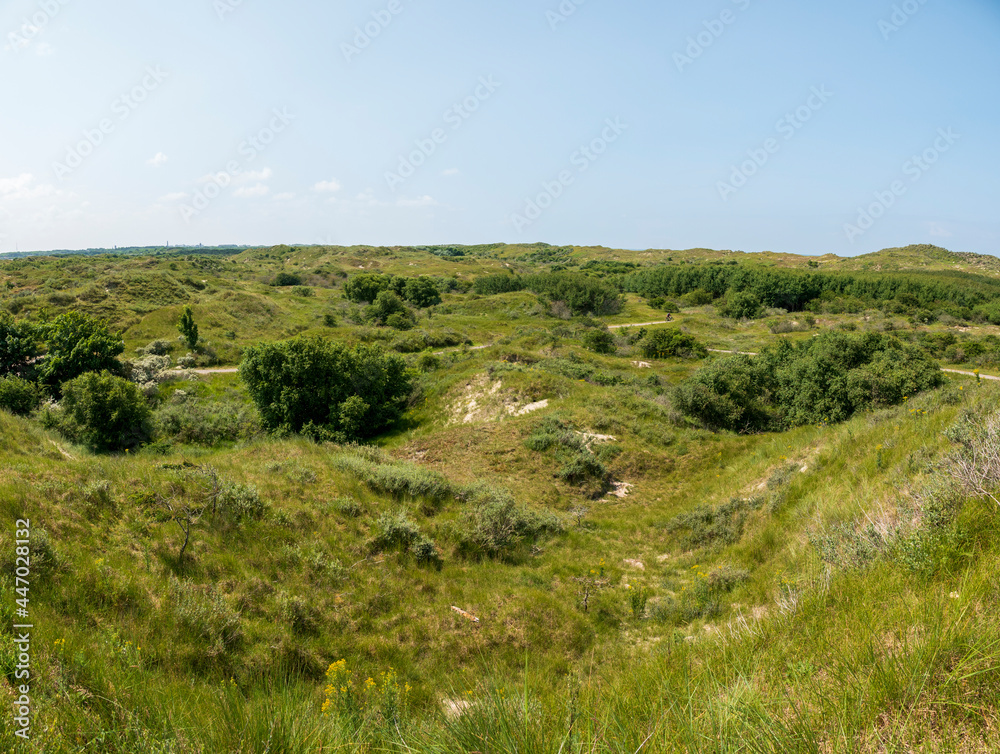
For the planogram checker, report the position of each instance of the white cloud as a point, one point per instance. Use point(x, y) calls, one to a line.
point(250, 192)
point(253, 175)
point(175, 197)
point(423, 201)
point(44, 48)
point(250, 176)
point(22, 187)
point(158, 160)
point(451, 171)
point(284, 197)
point(332, 185)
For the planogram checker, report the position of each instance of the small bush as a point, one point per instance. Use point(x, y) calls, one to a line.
point(205, 423)
point(347, 506)
point(741, 305)
point(19, 396)
point(599, 341)
point(286, 279)
point(241, 502)
point(104, 412)
point(205, 616)
point(495, 524)
point(665, 343)
point(155, 348)
point(704, 525)
point(395, 478)
point(583, 467)
point(397, 531)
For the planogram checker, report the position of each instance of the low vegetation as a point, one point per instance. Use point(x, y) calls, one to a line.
point(468, 499)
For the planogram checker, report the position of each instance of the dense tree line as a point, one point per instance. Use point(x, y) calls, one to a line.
point(581, 293)
point(420, 292)
point(828, 378)
point(795, 290)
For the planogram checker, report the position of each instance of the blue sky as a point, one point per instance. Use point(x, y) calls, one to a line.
point(737, 124)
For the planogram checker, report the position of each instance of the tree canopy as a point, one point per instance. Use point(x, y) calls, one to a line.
point(352, 393)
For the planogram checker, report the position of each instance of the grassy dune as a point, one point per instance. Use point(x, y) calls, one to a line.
point(815, 590)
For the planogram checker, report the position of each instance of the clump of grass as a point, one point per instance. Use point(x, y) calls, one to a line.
point(702, 598)
point(396, 479)
point(241, 502)
point(494, 525)
point(579, 464)
point(206, 619)
point(398, 531)
point(705, 525)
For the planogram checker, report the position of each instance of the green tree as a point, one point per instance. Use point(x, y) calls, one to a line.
point(741, 305)
point(19, 344)
point(104, 412)
point(188, 328)
point(661, 344)
point(421, 292)
point(386, 305)
point(352, 393)
point(285, 279)
point(599, 341)
point(19, 396)
point(364, 288)
point(828, 378)
point(77, 344)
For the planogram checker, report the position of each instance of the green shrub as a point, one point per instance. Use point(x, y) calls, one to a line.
point(494, 524)
point(19, 396)
point(205, 616)
point(396, 479)
point(599, 341)
point(240, 502)
point(421, 292)
point(77, 344)
point(286, 279)
point(205, 422)
point(828, 378)
point(347, 506)
point(705, 525)
point(741, 305)
point(665, 343)
point(104, 412)
point(188, 328)
point(310, 380)
point(364, 288)
point(583, 467)
point(397, 532)
point(20, 342)
point(501, 282)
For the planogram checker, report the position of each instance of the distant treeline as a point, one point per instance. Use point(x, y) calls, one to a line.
point(796, 290)
point(581, 293)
